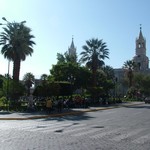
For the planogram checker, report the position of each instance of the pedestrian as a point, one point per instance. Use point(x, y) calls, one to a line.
point(30, 103)
point(59, 105)
point(49, 105)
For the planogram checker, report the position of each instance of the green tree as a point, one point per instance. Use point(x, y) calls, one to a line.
point(129, 67)
point(61, 58)
point(109, 71)
point(62, 71)
point(14, 90)
point(66, 58)
point(146, 85)
point(28, 81)
point(95, 51)
point(17, 44)
point(71, 72)
point(2, 78)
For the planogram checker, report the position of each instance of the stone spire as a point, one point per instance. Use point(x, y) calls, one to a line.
point(72, 49)
point(140, 34)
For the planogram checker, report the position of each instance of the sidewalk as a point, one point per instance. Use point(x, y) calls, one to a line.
point(5, 115)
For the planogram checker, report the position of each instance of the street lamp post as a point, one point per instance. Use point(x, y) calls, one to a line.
point(8, 84)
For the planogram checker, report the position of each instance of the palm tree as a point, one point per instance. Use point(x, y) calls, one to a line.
point(66, 58)
point(129, 67)
point(17, 44)
point(61, 58)
point(28, 80)
point(95, 51)
point(109, 71)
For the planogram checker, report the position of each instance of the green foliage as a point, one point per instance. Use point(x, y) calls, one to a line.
point(65, 88)
point(65, 58)
point(141, 86)
point(1, 83)
point(62, 71)
point(3, 101)
point(83, 78)
point(53, 89)
point(28, 81)
point(17, 43)
point(96, 92)
point(95, 51)
point(61, 58)
point(109, 71)
point(13, 89)
point(2, 78)
point(73, 73)
point(131, 92)
point(129, 67)
point(146, 85)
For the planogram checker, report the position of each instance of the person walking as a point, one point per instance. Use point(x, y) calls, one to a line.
point(59, 105)
point(49, 105)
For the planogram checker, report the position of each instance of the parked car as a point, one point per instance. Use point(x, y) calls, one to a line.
point(147, 100)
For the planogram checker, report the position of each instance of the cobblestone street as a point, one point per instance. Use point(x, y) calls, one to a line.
point(125, 128)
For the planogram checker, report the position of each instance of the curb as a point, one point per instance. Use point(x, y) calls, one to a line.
point(69, 113)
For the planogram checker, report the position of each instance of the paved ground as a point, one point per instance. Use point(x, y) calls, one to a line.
point(5, 115)
point(123, 128)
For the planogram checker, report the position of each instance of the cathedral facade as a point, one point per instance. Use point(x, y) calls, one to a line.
point(140, 59)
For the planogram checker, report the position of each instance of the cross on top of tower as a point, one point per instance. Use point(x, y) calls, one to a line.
point(140, 26)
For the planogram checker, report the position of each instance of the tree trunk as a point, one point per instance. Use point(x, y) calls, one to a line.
point(130, 76)
point(16, 69)
point(94, 70)
point(94, 78)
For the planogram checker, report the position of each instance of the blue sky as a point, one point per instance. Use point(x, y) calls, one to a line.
point(53, 22)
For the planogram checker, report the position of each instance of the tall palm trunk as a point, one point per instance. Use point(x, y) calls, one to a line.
point(94, 77)
point(28, 91)
point(130, 76)
point(16, 69)
point(94, 71)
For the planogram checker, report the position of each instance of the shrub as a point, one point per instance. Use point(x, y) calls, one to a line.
point(3, 101)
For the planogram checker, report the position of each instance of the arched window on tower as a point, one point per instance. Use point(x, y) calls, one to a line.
point(139, 45)
point(142, 44)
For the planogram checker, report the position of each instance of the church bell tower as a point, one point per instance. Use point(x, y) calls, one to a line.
point(72, 52)
point(140, 58)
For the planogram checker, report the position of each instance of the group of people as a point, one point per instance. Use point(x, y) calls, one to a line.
point(59, 104)
point(50, 105)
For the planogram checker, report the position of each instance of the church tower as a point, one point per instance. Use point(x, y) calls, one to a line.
point(72, 49)
point(72, 52)
point(140, 58)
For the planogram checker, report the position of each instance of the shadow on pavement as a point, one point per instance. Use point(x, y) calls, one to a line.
point(80, 115)
point(5, 113)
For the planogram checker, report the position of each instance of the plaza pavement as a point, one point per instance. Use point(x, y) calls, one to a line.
point(6, 115)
